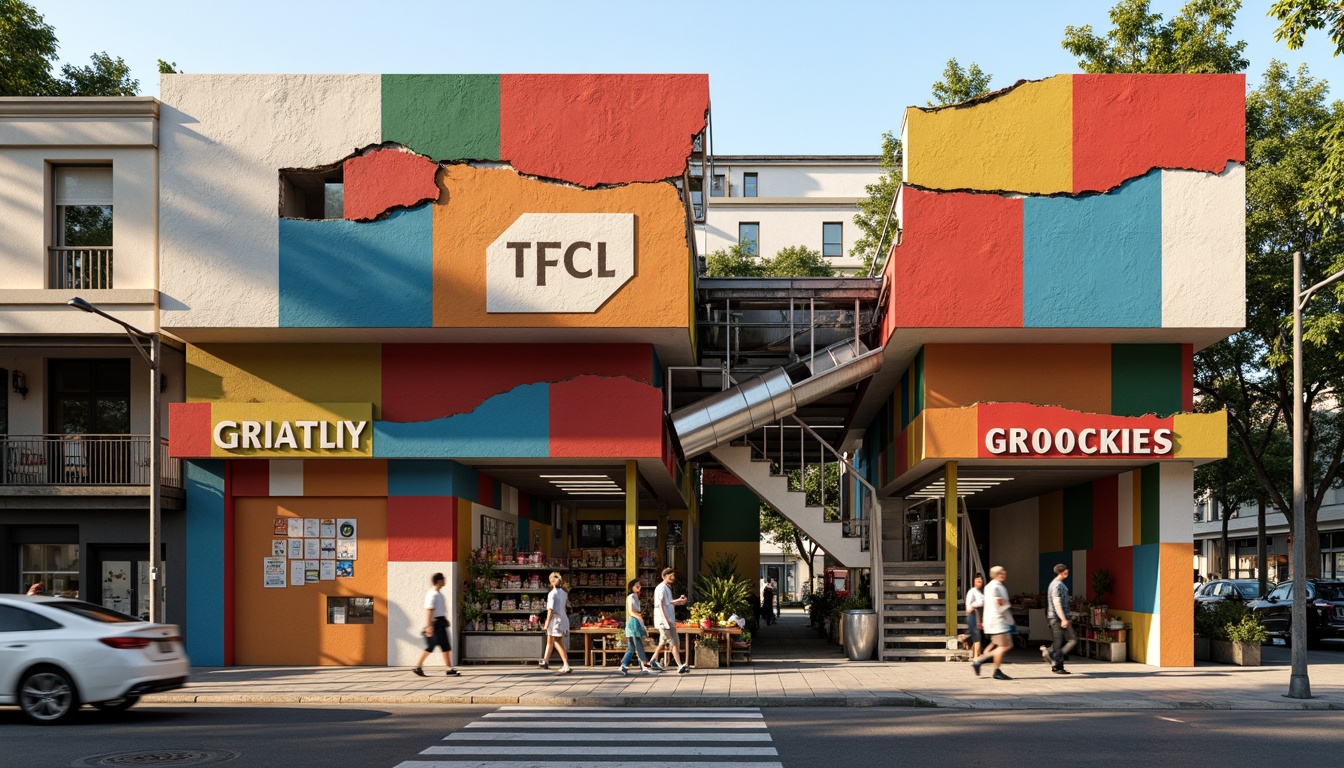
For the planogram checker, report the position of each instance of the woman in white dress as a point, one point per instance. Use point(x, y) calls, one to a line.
point(557, 624)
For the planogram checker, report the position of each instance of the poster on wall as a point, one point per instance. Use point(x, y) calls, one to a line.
point(345, 568)
point(312, 549)
point(279, 548)
point(295, 527)
point(328, 549)
point(296, 549)
point(296, 573)
point(281, 526)
point(347, 549)
point(510, 536)
point(489, 532)
point(346, 528)
point(275, 572)
point(312, 571)
point(312, 527)
point(328, 528)
point(328, 569)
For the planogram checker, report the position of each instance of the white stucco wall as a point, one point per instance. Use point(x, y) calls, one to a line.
point(1014, 541)
point(223, 140)
point(800, 180)
point(781, 226)
point(407, 584)
point(1203, 234)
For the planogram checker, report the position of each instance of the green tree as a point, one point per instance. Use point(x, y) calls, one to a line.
point(733, 261)
point(1197, 40)
point(874, 209)
point(1297, 16)
point(168, 68)
point(959, 84)
point(28, 54)
point(793, 261)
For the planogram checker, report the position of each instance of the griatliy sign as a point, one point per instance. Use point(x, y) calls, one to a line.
point(559, 262)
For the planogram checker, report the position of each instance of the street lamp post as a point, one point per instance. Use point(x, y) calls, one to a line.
point(1299, 685)
point(152, 358)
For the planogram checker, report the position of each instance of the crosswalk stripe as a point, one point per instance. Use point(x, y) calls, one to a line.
point(691, 710)
point(555, 749)
point(624, 715)
point(584, 764)
point(667, 725)
point(656, 740)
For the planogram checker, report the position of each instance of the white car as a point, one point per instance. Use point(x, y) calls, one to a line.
point(57, 653)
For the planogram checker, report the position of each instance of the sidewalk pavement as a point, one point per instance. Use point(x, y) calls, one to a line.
point(791, 668)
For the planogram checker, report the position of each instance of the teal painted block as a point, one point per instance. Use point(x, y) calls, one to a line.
point(515, 424)
point(203, 483)
point(1147, 378)
point(1094, 261)
point(1146, 572)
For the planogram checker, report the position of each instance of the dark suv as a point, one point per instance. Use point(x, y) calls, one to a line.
point(1325, 610)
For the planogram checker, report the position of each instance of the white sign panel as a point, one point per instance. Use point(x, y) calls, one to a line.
point(559, 262)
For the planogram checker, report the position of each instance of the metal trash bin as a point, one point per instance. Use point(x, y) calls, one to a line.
point(860, 634)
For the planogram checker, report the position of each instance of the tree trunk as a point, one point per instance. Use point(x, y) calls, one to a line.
point(1261, 555)
point(1312, 567)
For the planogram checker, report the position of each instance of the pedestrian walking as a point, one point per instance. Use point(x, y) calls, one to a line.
point(774, 587)
point(1057, 613)
point(436, 627)
point(635, 629)
point(665, 619)
point(557, 625)
point(768, 601)
point(975, 605)
point(998, 622)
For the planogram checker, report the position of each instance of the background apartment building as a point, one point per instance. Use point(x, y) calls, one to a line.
point(776, 201)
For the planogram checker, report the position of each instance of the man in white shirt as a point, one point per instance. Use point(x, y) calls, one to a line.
point(665, 619)
point(436, 626)
point(975, 610)
point(998, 622)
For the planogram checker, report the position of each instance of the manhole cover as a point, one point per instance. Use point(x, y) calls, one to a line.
point(160, 757)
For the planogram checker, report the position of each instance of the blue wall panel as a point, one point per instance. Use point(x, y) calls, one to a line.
point(515, 424)
point(1146, 570)
point(204, 625)
point(345, 274)
point(1094, 261)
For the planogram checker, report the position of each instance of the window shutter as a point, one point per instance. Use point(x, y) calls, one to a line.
point(83, 186)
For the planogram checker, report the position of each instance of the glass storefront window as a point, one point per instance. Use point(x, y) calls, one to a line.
point(55, 565)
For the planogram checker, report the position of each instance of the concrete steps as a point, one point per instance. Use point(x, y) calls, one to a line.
point(914, 600)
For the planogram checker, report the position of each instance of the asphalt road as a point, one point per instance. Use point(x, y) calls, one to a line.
point(387, 737)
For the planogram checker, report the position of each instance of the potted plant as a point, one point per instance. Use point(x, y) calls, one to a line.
point(1235, 634)
point(707, 652)
point(1205, 630)
point(476, 589)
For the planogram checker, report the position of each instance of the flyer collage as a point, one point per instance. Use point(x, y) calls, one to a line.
point(313, 549)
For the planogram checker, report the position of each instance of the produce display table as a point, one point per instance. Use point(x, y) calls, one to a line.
point(685, 632)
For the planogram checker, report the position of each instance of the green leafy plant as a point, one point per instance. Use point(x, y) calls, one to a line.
point(722, 597)
point(1228, 620)
point(1247, 630)
point(821, 605)
point(1101, 586)
point(476, 589)
point(708, 642)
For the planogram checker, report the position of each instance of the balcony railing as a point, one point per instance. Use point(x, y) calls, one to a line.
point(105, 460)
point(84, 268)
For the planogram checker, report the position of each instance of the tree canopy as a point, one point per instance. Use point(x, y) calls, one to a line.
point(28, 57)
point(1139, 41)
point(1296, 17)
point(793, 261)
point(874, 208)
point(959, 84)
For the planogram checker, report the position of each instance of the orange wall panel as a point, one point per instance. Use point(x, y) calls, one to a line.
point(289, 626)
point(345, 478)
point(1075, 376)
point(1176, 604)
point(483, 202)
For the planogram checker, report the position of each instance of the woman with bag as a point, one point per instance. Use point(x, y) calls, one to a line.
point(557, 625)
point(635, 630)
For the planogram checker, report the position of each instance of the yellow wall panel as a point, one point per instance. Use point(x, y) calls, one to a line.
point(1020, 141)
point(285, 373)
point(748, 554)
point(1200, 435)
point(951, 433)
point(1143, 643)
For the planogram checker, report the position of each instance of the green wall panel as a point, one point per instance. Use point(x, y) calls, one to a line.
point(1146, 378)
point(1077, 518)
point(730, 513)
point(446, 117)
point(1150, 511)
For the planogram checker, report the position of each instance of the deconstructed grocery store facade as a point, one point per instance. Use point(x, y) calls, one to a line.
point(431, 315)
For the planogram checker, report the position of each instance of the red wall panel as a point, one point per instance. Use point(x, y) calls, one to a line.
point(593, 416)
point(421, 529)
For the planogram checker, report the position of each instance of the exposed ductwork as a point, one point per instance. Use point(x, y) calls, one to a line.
point(772, 396)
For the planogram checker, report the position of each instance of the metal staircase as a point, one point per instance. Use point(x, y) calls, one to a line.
point(914, 624)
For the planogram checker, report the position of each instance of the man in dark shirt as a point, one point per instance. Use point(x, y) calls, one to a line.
point(1057, 612)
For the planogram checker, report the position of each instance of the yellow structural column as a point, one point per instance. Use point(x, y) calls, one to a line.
point(951, 548)
point(631, 523)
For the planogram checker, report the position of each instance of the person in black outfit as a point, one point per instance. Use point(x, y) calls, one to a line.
point(768, 602)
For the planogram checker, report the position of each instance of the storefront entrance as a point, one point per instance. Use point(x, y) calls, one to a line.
point(923, 531)
point(122, 580)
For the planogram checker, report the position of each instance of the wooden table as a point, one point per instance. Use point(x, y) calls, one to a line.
point(725, 642)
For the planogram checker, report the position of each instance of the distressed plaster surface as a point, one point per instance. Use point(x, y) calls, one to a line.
point(1204, 248)
point(601, 129)
point(444, 117)
point(384, 179)
point(589, 258)
point(223, 140)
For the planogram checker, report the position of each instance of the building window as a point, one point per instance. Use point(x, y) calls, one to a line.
point(312, 193)
point(832, 239)
point(90, 397)
point(82, 214)
point(749, 237)
point(4, 402)
point(716, 186)
point(55, 565)
point(748, 185)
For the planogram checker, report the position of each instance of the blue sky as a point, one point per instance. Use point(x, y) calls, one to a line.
point(785, 77)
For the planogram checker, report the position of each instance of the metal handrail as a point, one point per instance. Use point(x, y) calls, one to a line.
point(971, 563)
point(83, 459)
point(87, 267)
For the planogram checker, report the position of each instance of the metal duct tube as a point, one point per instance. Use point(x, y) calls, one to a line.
point(769, 397)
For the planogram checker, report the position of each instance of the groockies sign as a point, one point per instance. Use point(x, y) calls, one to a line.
point(559, 262)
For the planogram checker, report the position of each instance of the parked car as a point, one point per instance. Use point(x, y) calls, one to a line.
point(57, 653)
point(1228, 589)
point(1325, 610)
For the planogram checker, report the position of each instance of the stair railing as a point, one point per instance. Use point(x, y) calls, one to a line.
point(970, 553)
